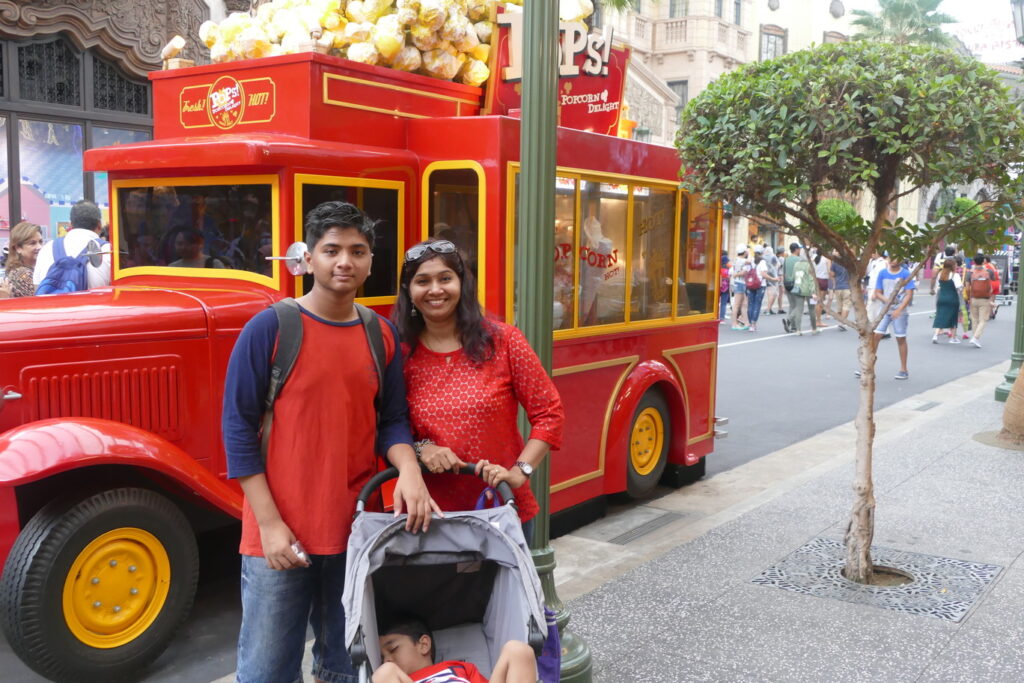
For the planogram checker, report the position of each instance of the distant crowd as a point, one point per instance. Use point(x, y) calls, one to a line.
point(760, 279)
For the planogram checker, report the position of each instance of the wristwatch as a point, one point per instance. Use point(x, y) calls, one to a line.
point(525, 467)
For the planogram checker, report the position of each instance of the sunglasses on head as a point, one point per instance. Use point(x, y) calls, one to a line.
point(438, 247)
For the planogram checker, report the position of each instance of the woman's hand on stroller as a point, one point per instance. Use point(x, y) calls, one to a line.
point(412, 497)
point(494, 474)
point(439, 459)
point(277, 540)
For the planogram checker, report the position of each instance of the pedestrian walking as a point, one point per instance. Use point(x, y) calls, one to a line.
point(842, 300)
point(723, 289)
point(822, 274)
point(997, 286)
point(947, 305)
point(875, 268)
point(801, 289)
point(738, 275)
point(773, 293)
point(978, 288)
point(894, 282)
point(756, 283)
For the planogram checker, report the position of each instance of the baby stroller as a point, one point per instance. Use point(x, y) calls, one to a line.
point(469, 578)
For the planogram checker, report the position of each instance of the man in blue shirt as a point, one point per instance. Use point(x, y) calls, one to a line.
point(895, 281)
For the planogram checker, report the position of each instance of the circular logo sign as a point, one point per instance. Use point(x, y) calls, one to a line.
point(226, 102)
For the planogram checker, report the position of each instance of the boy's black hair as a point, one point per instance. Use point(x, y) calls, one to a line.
point(408, 625)
point(979, 259)
point(337, 214)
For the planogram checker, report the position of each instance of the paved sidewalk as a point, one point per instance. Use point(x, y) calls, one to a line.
point(678, 604)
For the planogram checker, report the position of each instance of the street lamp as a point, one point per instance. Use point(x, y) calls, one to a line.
point(1017, 355)
point(1018, 18)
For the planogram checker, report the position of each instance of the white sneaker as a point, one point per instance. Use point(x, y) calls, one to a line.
point(935, 339)
point(954, 340)
point(976, 343)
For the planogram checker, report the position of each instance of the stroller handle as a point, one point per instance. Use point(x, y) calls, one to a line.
point(375, 482)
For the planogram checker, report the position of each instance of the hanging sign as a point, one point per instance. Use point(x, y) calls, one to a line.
point(592, 75)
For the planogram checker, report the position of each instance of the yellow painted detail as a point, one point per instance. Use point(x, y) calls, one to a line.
point(116, 588)
point(360, 183)
point(273, 281)
point(646, 441)
point(481, 213)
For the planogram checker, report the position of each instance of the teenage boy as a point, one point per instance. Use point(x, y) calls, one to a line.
point(407, 651)
point(299, 503)
point(978, 287)
point(894, 279)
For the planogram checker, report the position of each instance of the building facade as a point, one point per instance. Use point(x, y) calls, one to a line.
point(73, 75)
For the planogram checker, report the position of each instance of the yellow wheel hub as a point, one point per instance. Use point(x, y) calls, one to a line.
point(116, 587)
point(646, 441)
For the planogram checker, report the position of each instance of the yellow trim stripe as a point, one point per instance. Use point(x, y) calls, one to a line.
point(669, 356)
point(360, 184)
point(397, 88)
point(274, 280)
point(481, 210)
point(631, 362)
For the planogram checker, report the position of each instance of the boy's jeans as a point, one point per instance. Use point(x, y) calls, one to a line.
point(276, 606)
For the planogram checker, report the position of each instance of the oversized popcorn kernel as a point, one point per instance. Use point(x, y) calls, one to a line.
point(209, 31)
point(365, 53)
point(407, 59)
point(388, 36)
point(474, 73)
point(484, 30)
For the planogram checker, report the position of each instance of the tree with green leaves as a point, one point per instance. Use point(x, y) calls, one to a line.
point(777, 138)
point(904, 22)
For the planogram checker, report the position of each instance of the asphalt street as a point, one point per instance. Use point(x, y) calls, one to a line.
point(776, 389)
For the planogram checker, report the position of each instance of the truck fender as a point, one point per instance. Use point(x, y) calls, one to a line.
point(643, 377)
point(37, 450)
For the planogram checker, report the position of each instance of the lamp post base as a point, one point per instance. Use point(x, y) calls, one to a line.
point(1006, 386)
point(576, 663)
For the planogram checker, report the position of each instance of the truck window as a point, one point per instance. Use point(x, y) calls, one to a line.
point(381, 205)
point(654, 218)
point(565, 253)
point(196, 226)
point(603, 253)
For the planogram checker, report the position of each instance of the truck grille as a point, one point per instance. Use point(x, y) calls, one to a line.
point(142, 392)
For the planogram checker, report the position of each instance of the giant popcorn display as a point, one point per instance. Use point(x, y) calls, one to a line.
point(449, 39)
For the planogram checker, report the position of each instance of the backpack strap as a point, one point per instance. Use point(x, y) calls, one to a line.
point(59, 251)
point(289, 341)
point(375, 338)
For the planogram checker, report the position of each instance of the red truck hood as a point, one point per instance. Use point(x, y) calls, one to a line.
point(115, 314)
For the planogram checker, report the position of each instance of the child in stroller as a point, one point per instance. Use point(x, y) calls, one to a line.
point(407, 648)
point(469, 581)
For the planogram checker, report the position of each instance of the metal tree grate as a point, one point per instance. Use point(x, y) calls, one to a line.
point(943, 587)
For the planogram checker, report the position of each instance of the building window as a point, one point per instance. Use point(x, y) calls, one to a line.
point(50, 72)
point(638, 6)
point(719, 8)
point(773, 42)
point(114, 92)
point(834, 37)
point(678, 8)
point(682, 91)
point(737, 11)
point(57, 102)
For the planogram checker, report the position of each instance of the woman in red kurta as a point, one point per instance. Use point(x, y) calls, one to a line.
point(466, 378)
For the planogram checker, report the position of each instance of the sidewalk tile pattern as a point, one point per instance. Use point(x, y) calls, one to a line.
point(943, 587)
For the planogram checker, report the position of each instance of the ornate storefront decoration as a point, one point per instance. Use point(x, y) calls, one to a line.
point(130, 33)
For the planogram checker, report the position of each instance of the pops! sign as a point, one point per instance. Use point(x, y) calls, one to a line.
point(592, 75)
point(228, 102)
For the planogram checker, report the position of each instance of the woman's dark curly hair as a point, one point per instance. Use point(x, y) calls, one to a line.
point(475, 332)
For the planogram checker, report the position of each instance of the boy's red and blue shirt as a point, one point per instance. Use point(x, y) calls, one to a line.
point(448, 672)
point(325, 435)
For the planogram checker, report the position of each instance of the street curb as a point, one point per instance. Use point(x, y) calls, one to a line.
point(584, 564)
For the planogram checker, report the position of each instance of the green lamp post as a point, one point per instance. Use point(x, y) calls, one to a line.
point(534, 274)
point(1017, 355)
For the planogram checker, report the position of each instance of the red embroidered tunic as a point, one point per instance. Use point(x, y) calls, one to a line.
point(472, 409)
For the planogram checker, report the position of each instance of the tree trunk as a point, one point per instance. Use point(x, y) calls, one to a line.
point(1013, 415)
point(861, 528)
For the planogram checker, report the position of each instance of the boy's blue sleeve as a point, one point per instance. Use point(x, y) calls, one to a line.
point(393, 427)
point(245, 390)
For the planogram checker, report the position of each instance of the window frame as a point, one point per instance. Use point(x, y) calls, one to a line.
point(274, 280)
point(481, 209)
point(677, 9)
point(576, 331)
point(301, 179)
point(776, 32)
